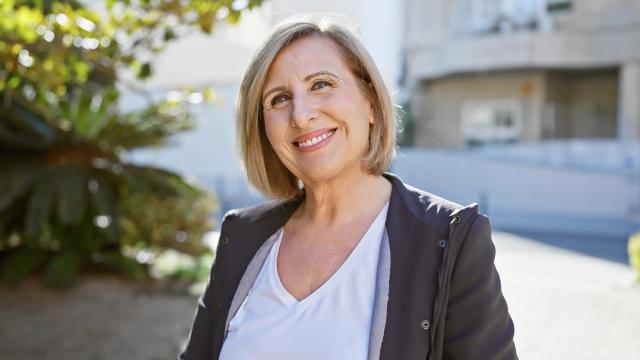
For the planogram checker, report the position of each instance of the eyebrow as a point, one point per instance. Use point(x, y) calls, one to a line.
point(306, 78)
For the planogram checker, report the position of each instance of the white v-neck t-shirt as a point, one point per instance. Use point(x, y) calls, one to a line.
point(332, 323)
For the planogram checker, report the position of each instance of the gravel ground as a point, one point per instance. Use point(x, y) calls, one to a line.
point(102, 318)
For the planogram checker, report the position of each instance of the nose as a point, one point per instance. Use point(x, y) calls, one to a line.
point(303, 111)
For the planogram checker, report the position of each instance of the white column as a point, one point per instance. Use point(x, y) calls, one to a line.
point(382, 27)
point(629, 102)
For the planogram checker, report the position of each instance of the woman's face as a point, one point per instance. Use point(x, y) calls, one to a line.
point(316, 116)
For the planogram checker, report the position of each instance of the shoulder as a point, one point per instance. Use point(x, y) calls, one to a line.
point(432, 210)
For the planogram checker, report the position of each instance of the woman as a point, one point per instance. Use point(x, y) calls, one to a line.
point(348, 262)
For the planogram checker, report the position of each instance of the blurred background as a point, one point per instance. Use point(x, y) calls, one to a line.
point(118, 158)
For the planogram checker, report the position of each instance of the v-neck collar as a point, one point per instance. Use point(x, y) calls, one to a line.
point(354, 256)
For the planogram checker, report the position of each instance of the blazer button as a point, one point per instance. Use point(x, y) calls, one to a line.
point(225, 241)
point(443, 243)
point(425, 324)
point(217, 306)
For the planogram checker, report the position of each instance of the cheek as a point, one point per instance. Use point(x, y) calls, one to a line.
point(359, 120)
point(276, 134)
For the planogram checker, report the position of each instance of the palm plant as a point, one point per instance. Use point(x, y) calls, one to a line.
point(63, 187)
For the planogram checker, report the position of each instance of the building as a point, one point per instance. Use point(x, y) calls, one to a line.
point(494, 71)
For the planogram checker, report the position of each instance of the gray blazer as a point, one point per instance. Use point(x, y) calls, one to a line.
point(438, 294)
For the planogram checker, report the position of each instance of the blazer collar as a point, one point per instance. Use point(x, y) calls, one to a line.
point(406, 203)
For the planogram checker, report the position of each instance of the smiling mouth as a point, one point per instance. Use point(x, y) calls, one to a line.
point(315, 140)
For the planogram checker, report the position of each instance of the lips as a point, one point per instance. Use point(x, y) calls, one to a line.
point(313, 138)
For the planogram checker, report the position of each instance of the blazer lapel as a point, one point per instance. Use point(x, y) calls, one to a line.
point(245, 237)
point(414, 264)
point(380, 300)
point(240, 241)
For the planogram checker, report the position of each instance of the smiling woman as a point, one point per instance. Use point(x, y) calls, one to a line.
point(333, 68)
point(348, 262)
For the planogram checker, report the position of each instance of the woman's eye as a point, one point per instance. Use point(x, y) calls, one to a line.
point(320, 84)
point(278, 99)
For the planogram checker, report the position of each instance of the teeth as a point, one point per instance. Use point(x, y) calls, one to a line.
point(316, 139)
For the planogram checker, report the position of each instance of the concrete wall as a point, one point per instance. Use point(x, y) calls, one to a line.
point(555, 104)
point(584, 102)
point(437, 104)
point(594, 33)
point(531, 196)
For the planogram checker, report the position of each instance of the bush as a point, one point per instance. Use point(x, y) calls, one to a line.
point(144, 222)
point(634, 253)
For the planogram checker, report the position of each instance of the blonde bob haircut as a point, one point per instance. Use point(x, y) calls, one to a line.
point(264, 170)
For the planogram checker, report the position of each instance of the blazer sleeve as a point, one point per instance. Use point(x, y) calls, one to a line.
point(478, 324)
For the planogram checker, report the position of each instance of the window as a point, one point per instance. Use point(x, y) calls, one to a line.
point(491, 121)
point(557, 6)
point(473, 16)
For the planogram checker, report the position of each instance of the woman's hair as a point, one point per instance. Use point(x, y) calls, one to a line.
point(264, 170)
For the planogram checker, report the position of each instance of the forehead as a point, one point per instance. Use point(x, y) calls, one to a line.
point(307, 55)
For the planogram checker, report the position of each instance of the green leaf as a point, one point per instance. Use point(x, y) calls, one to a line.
point(89, 112)
point(159, 181)
point(63, 270)
point(87, 239)
point(234, 16)
point(30, 120)
point(77, 109)
point(169, 34)
point(206, 21)
point(81, 71)
point(40, 203)
point(71, 186)
point(13, 82)
point(17, 139)
point(144, 71)
point(7, 5)
point(253, 3)
point(15, 180)
point(634, 253)
point(17, 266)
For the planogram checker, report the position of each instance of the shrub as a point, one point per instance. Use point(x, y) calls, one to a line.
point(634, 253)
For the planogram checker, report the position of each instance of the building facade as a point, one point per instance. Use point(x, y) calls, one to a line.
point(493, 71)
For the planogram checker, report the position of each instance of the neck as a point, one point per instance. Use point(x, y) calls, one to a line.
point(341, 199)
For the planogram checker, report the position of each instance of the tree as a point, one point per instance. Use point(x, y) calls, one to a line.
point(68, 198)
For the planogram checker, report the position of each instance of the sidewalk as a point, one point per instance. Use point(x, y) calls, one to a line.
point(567, 305)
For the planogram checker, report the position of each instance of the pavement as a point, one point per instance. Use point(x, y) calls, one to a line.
point(566, 304)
